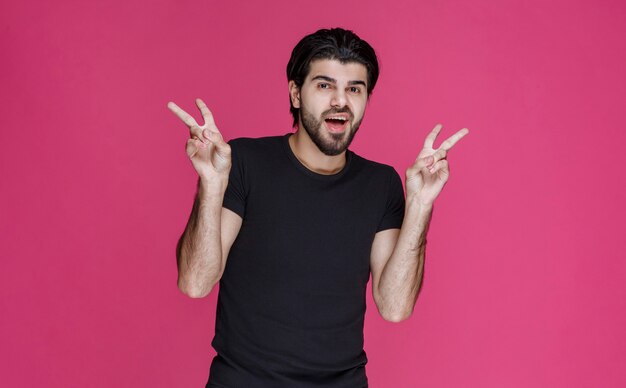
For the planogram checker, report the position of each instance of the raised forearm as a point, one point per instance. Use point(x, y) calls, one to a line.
point(400, 279)
point(402, 275)
point(199, 251)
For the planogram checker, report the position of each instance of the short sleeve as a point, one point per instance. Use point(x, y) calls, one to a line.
point(235, 195)
point(394, 211)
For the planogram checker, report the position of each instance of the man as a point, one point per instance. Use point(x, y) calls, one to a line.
point(292, 226)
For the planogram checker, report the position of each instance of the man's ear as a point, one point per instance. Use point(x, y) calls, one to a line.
point(294, 94)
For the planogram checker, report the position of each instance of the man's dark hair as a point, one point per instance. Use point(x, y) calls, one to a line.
point(336, 43)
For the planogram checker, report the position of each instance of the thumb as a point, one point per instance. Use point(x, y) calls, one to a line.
point(218, 141)
point(424, 162)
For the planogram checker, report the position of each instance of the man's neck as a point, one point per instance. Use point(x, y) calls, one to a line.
point(312, 158)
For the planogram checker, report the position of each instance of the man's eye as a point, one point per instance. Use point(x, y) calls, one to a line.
point(323, 86)
point(354, 89)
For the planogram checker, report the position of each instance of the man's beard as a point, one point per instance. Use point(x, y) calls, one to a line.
point(337, 142)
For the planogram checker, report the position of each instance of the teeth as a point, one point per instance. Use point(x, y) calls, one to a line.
point(337, 118)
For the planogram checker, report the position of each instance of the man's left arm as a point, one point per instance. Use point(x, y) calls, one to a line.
point(397, 257)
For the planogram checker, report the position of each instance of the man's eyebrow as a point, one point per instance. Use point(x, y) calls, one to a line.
point(334, 81)
point(358, 82)
point(324, 78)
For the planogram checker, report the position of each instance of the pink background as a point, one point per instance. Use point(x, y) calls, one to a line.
point(525, 279)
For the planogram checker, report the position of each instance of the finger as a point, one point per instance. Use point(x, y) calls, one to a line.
point(430, 139)
point(451, 141)
point(440, 154)
point(442, 166)
point(206, 114)
point(196, 132)
point(218, 141)
point(192, 147)
point(423, 162)
point(184, 116)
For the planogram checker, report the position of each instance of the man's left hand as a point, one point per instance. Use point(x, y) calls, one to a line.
point(427, 176)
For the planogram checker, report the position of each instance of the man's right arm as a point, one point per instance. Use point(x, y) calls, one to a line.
point(204, 246)
point(211, 230)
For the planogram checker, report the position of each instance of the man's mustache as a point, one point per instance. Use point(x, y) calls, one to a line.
point(342, 110)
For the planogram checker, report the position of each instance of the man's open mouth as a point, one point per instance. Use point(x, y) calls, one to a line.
point(336, 123)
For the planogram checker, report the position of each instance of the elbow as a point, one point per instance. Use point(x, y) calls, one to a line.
point(393, 312)
point(195, 284)
point(396, 316)
point(194, 292)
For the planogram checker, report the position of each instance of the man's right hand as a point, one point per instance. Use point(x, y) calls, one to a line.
point(203, 248)
point(209, 153)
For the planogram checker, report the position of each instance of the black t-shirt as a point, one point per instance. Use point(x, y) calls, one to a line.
point(291, 300)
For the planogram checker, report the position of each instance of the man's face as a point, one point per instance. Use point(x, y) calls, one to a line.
point(332, 102)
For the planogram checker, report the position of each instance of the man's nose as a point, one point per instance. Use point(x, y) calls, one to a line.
point(338, 99)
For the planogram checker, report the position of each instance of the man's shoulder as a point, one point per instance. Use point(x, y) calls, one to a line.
point(256, 142)
point(251, 149)
point(372, 166)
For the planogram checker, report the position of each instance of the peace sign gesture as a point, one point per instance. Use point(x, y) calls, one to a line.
point(427, 176)
point(209, 153)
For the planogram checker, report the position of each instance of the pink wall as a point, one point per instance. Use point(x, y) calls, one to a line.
point(525, 277)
